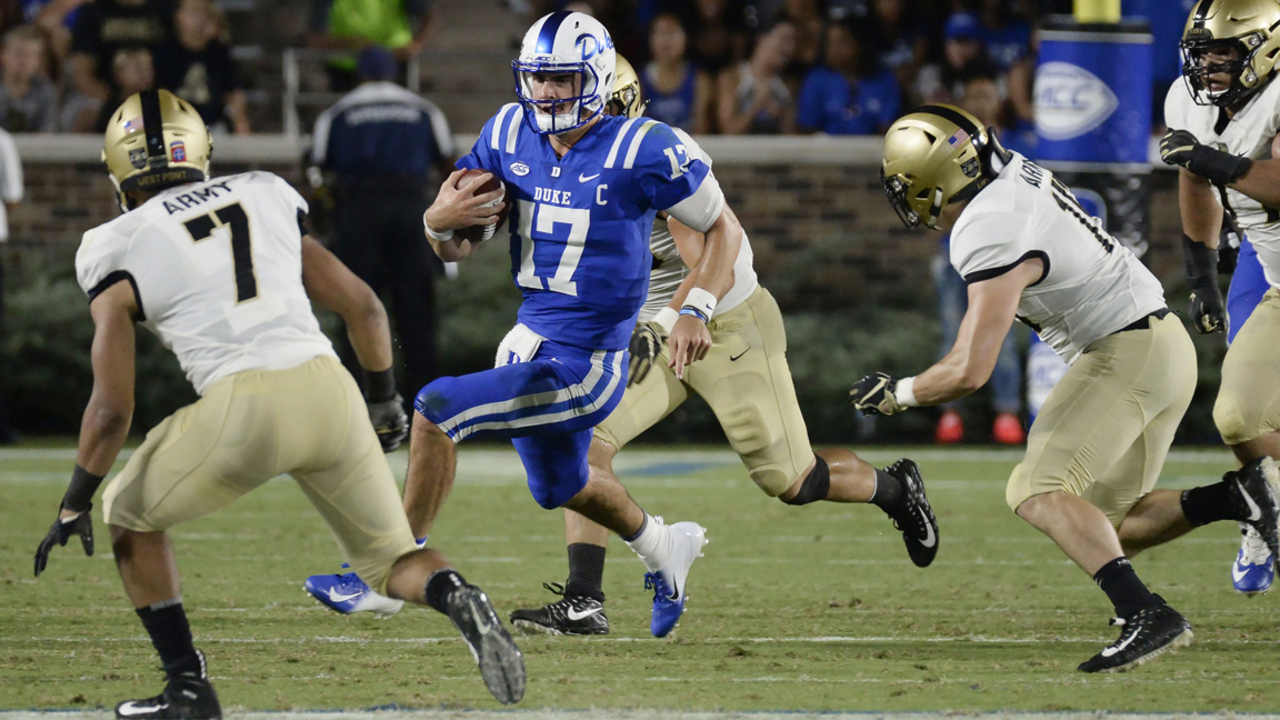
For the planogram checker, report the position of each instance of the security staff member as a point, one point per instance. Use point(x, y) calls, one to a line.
point(379, 143)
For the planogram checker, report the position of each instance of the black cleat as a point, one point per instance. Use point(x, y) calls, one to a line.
point(1145, 636)
point(501, 664)
point(187, 696)
point(1257, 499)
point(570, 615)
point(915, 518)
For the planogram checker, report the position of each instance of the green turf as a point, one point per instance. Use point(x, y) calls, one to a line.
point(792, 608)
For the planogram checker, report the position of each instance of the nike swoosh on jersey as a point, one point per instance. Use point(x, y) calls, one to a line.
point(128, 710)
point(929, 538)
point(1120, 646)
point(338, 597)
point(1255, 512)
point(575, 615)
point(583, 177)
point(735, 357)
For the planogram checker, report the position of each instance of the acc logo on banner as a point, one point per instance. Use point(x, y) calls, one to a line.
point(1070, 101)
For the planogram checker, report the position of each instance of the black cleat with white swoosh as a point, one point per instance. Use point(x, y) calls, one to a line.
point(1144, 636)
point(1257, 499)
point(501, 663)
point(187, 696)
point(915, 517)
point(570, 615)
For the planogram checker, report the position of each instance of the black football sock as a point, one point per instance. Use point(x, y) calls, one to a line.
point(440, 586)
point(1210, 503)
point(586, 571)
point(1122, 586)
point(166, 623)
point(888, 495)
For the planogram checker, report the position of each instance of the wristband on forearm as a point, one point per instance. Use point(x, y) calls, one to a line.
point(437, 235)
point(666, 319)
point(1217, 166)
point(380, 386)
point(1201, 260)
point(84, 484)
point(701, 301)
point(904, 392)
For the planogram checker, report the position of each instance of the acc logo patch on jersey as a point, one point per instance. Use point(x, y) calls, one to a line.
point(1070, 101)
point(519, 168)
point(178, 151)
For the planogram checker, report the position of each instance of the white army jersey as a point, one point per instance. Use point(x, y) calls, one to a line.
point(217, 270)
point(1092, 285)
point(1248, 134)
point(669, 270)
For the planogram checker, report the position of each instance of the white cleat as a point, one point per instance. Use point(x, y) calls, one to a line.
point(668, 582)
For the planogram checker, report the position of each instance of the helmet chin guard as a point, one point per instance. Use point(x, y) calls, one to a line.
point(560, 46)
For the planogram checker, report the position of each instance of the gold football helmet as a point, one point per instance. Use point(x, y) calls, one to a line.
point(626, 98)
point(1249, 26)
point(934, 156)
point(155, 140)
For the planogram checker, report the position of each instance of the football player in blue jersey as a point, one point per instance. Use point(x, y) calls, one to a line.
point(583, 188)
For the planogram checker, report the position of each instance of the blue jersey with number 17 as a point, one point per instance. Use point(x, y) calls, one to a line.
point(580, 224)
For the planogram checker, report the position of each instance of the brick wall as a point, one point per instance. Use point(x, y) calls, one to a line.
point(823, 235)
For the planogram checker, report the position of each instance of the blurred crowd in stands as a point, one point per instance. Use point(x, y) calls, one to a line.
point(845, 67)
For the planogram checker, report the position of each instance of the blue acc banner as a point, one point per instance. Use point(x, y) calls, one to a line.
point(1093, 94)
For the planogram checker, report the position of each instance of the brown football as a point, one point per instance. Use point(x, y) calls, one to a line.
point(479, 233)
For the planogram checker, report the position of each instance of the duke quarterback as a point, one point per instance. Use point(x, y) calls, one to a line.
point(583, 189)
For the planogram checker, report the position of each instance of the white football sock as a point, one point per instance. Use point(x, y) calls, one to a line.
point(654, 544)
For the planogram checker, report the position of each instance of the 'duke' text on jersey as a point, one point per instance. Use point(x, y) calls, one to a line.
point(196, 197)
point(555, 197)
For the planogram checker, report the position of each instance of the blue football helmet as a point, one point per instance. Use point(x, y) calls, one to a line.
point(565, 43)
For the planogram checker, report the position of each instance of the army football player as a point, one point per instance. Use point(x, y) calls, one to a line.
point(1224, 120)
point(1026, 249)
point(584, 188)
point(222, 271)
point(745, 380)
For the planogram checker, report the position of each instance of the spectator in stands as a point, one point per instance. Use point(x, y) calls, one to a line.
point(198, 68)
point(10, 194)
point(980, 96)
point(132, 72)
point(850, 94)
point(678, 92)
point(963, 57)
point(380, 144)
point(28, 100)
point(896, 39)
point(403, 26)
point(717, 33)
point(105, 27)
point(55, 18)
point(1007, 41)
point(752, 97)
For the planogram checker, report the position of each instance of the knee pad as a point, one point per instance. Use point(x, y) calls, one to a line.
point(1228, 417)
point(816, 484)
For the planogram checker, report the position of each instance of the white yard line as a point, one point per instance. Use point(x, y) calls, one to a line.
point(613, 714)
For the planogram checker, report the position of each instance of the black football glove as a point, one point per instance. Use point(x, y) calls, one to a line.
point(390, 422)
point(873, 395)
point(646, 342)
point(60, 532)
point(1208, 310)
point(1180, 147)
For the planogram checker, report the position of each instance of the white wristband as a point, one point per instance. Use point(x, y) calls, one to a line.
point(666, 319)
point(903, 395)
point(445, 236)
point(702, 301)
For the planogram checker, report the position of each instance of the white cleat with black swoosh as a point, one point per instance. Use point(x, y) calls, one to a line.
point(915, 518)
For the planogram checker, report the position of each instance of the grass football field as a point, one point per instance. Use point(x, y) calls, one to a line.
point(814, 608)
